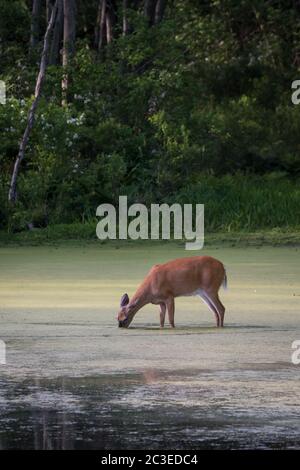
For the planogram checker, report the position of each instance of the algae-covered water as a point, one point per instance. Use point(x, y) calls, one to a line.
point(73, 379)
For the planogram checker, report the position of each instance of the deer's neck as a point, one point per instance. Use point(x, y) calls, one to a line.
point(140, 298)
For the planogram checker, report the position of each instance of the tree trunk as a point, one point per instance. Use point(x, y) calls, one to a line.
point(12, 193)
point(106, 20)
point(149, 11)
point(100, 36)
point(97, 27)
point(111, 19)
point(68, 43)
point(49, 6)
point(134, 5)
point(125, 27)
point(57, 35)
point(154, 10)
point(109, 26)
point(35, 23)
point(159, 10)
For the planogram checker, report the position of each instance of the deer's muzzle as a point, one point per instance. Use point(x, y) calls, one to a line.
point(123, 323)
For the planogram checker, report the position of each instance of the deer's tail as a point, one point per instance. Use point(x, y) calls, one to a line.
point(224, 283)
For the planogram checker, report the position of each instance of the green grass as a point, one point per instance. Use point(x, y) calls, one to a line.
point(239, 203)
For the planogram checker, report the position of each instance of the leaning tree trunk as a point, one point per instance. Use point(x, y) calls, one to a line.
point(12, 193)
point(49, 6)
point(68, 44)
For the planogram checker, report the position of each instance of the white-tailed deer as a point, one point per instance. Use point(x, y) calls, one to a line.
point(198, 275)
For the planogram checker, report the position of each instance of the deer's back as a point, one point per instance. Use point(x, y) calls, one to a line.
point(183, 276)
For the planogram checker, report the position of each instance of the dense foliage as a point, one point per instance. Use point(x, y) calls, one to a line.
point(196, 108)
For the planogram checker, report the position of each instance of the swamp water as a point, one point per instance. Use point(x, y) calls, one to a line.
point(73, 379)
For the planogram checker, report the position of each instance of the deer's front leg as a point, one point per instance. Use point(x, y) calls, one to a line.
point(162, 314)
point(171, 310)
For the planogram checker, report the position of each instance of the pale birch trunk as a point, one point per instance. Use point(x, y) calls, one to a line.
point(12, 193)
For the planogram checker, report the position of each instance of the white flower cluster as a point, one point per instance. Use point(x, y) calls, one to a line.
point(77, 121)
point(86, 99)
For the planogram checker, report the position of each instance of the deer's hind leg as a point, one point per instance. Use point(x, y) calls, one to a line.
point(207, 300)
point(214, 298)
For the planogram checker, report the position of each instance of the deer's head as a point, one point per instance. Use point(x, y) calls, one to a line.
point(126, 312)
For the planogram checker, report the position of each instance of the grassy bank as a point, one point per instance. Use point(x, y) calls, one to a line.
point(233, 204)
point(246, 203)
point(239, 209)
point(85, 233)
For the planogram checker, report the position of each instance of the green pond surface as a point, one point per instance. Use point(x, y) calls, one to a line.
point(73, 379)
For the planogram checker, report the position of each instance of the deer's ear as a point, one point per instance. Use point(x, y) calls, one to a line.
point(124, 300)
